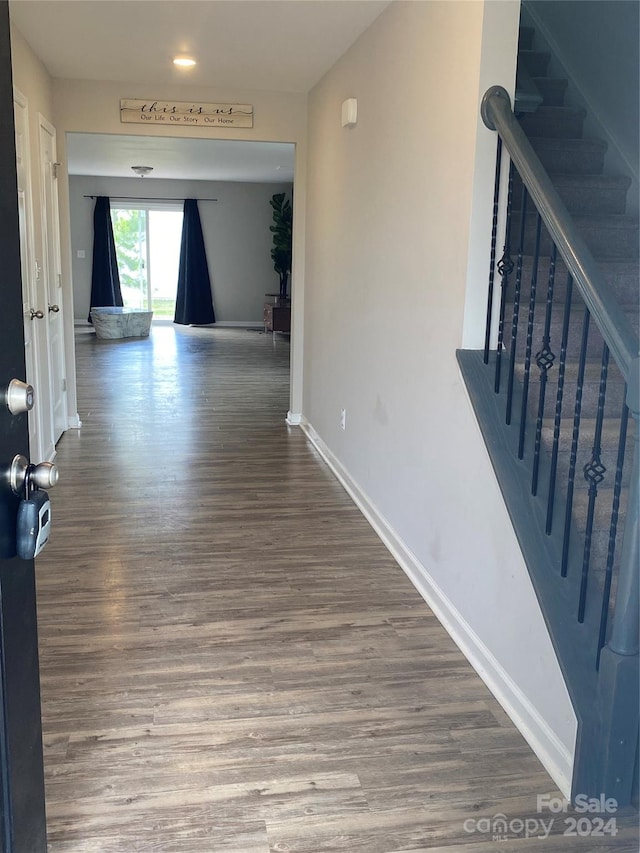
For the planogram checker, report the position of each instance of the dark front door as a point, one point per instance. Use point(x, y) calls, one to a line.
point(21, 776)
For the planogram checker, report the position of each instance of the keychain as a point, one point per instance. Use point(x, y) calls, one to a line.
point(34, 519)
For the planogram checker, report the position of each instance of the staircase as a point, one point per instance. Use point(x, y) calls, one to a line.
point(553, 406)
point(597, 203)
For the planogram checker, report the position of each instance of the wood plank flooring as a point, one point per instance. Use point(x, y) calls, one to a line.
point(231, 662)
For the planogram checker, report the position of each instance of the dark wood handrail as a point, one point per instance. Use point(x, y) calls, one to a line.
point(598, 297)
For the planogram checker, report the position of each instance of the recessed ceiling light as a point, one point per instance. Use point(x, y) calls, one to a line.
point(184, 62)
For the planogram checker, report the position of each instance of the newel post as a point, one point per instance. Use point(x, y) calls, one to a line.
point(619, 676)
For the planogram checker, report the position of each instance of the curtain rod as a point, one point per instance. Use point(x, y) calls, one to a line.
point(140, 198)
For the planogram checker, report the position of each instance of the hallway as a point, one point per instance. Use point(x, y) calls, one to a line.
point(231, 661)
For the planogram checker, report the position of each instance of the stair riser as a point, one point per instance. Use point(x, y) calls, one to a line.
point(571, 160)
point(552, 90)
point(562, 124)
point(535, 61)
point(601, 518)
point(525, 38)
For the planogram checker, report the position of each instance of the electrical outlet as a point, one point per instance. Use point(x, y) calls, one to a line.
point(343, 419)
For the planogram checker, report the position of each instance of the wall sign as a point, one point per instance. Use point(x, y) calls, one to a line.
point(174, 113)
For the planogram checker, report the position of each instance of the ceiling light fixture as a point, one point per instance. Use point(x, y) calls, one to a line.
point(142, 170)
point(184, 62)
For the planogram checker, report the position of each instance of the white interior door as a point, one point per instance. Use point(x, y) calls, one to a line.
point(53, 276)
point(34, 302)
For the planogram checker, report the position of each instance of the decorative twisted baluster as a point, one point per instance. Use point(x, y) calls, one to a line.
point(492, 261)
point(613, 529)
point(577, 409)
point(505, 268)
point(594, 472)
point(557, 420)
point(516, 309)
point(529, 341)
point(544, 359)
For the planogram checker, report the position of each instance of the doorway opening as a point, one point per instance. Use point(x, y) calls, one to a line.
point(147, 238)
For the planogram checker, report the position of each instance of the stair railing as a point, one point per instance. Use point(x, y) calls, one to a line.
point(599, 654)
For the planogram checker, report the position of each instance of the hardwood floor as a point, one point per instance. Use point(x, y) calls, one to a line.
point(231, 662)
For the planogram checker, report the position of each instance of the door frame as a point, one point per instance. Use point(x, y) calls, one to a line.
point(34, 298)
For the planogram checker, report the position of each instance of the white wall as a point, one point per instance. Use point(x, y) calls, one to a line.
point(393, 205)
point(236, 236)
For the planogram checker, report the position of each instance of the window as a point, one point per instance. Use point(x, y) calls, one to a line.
point(147, 238)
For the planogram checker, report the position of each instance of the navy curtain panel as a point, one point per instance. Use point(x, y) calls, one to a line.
point(105, 279)
point(194, 304)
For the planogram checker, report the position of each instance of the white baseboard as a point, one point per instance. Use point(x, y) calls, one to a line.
point(241, 324)
point(553, 754)
point(74, 421)
point(294, 419)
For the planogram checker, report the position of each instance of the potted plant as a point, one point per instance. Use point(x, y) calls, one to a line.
point(281, 230)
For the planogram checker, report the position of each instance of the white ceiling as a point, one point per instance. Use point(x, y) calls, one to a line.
point(277, 45)
point(188, 159)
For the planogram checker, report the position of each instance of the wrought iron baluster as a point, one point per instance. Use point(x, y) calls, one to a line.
point(594, 472)
point(505, 268)
point(558, 412)
point(492, 262)
point(613, 529)
point(516, 307)
point(577, 409)
point(544, 360)
point(529, 342)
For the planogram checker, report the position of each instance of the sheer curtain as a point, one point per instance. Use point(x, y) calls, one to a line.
point(194, 304)
point(105, 279)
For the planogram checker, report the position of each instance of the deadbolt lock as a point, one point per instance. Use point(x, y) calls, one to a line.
point(19, 397)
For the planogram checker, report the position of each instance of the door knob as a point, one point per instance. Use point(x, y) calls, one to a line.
point(33, 314)
point(53, 309)
point(19, 397)
point(42, 476)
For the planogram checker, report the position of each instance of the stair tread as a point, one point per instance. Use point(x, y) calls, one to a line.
point(552, 89)
point(525, 36)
